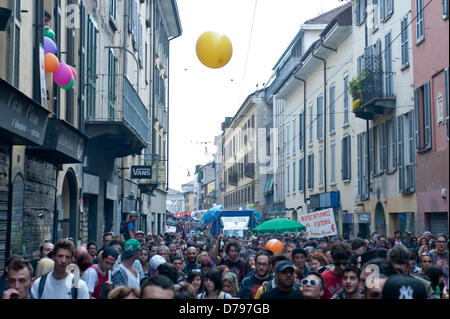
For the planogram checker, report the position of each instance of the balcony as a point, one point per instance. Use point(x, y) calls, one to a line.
point(123, 131)
point(250, 170)
point(374, 99)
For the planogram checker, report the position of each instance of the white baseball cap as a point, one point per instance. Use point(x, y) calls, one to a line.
point(156, 261)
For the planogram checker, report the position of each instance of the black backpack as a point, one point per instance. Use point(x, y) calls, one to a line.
point(42, 285)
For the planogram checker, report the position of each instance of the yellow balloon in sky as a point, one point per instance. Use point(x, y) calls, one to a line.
point(214, 49)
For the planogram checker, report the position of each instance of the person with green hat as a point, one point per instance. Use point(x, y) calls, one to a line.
point(126, 274)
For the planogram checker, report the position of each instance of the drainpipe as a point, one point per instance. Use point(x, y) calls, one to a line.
point(324, 115)
point(304, 136)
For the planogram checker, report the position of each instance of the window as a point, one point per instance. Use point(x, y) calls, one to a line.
point(388, 64)
point(293, 177)
point(423, 117)
point(311, 171)
point(112, 61)
point(293, 135)
point(320, 117)
point(301, 176)
point(386, 9)
point(346, 104)
point(375, 15)
point(333, 162)
point(392, 145)
point(91, 67)
point(360, 11)
point(346, 158)
point(444, 9)
point(310, 124)
point(446, 100)
point(404, 37)
point(113, 9)
point(420, 27)
point(287, 180)
point(288, 141)
point(332, 109)
point(321, 172)
point(301, 128)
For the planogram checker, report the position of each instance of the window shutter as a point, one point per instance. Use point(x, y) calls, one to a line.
point(300, 133)
point(359, 150)
point(388, 62)
point(140, 44)
point(417, 108)
point(332, 109)
point(372, 148)
point(368, 60)
point(390, 7)
point(366, 137)
point(444, 9)
point(446, 101)
point(394, 143)
point(346, 104)
point(404, 38)
point(382, 10)
point(358, 12)
point(427, 115)
point(349, 158)
point(400, 159)
point(294, 137)
point(82, 66)
point(411, 168)
point(319, 118)
point(311, 127)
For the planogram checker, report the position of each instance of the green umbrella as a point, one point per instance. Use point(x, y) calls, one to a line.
point(279, 226)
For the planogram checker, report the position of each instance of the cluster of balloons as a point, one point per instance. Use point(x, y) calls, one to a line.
point(63, 74)
point(213, 49)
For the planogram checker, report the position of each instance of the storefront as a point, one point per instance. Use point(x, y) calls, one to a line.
point(22, 122)
point(364, 224)
point(347, 224)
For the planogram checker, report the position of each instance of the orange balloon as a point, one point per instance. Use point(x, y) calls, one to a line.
point(51, 62)
point(275, 246)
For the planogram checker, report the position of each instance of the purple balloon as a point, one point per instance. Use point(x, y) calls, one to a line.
point(63, 75)
point(49, 46)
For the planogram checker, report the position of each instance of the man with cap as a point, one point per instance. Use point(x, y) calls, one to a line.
point(286, 288)
point(140, 236)
point(403, 287)
point(155, 262)
point(98, 277)
point(299, 256)
point(126, 274)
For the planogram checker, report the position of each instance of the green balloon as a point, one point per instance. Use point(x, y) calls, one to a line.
point(70, 85)
point(49, 33)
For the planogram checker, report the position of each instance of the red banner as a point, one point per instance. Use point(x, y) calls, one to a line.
point(179, 215)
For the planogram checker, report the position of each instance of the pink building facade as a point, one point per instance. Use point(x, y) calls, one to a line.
point(430, 48)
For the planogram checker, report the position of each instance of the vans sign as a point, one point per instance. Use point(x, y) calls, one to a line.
point(141, 172)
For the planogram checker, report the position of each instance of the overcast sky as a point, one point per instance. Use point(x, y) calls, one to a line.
point(200, 98)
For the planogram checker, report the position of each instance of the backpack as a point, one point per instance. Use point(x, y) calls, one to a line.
point(42, 285)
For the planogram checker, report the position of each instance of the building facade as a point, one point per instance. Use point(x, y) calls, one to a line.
point(430, 47)
point(65, 163)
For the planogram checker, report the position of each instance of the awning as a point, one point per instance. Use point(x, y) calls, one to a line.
point(23, 121)
point(269, 185)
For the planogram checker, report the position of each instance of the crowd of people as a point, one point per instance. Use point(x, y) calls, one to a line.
point(203, 267)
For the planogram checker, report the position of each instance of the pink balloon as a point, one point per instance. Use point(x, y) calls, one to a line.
point(62, 76)
point(73, 72)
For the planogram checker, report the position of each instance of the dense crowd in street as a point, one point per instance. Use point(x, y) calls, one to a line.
point(173, 266)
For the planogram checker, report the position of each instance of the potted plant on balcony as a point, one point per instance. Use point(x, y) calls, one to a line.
point(355, 88)
point(5, 15)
